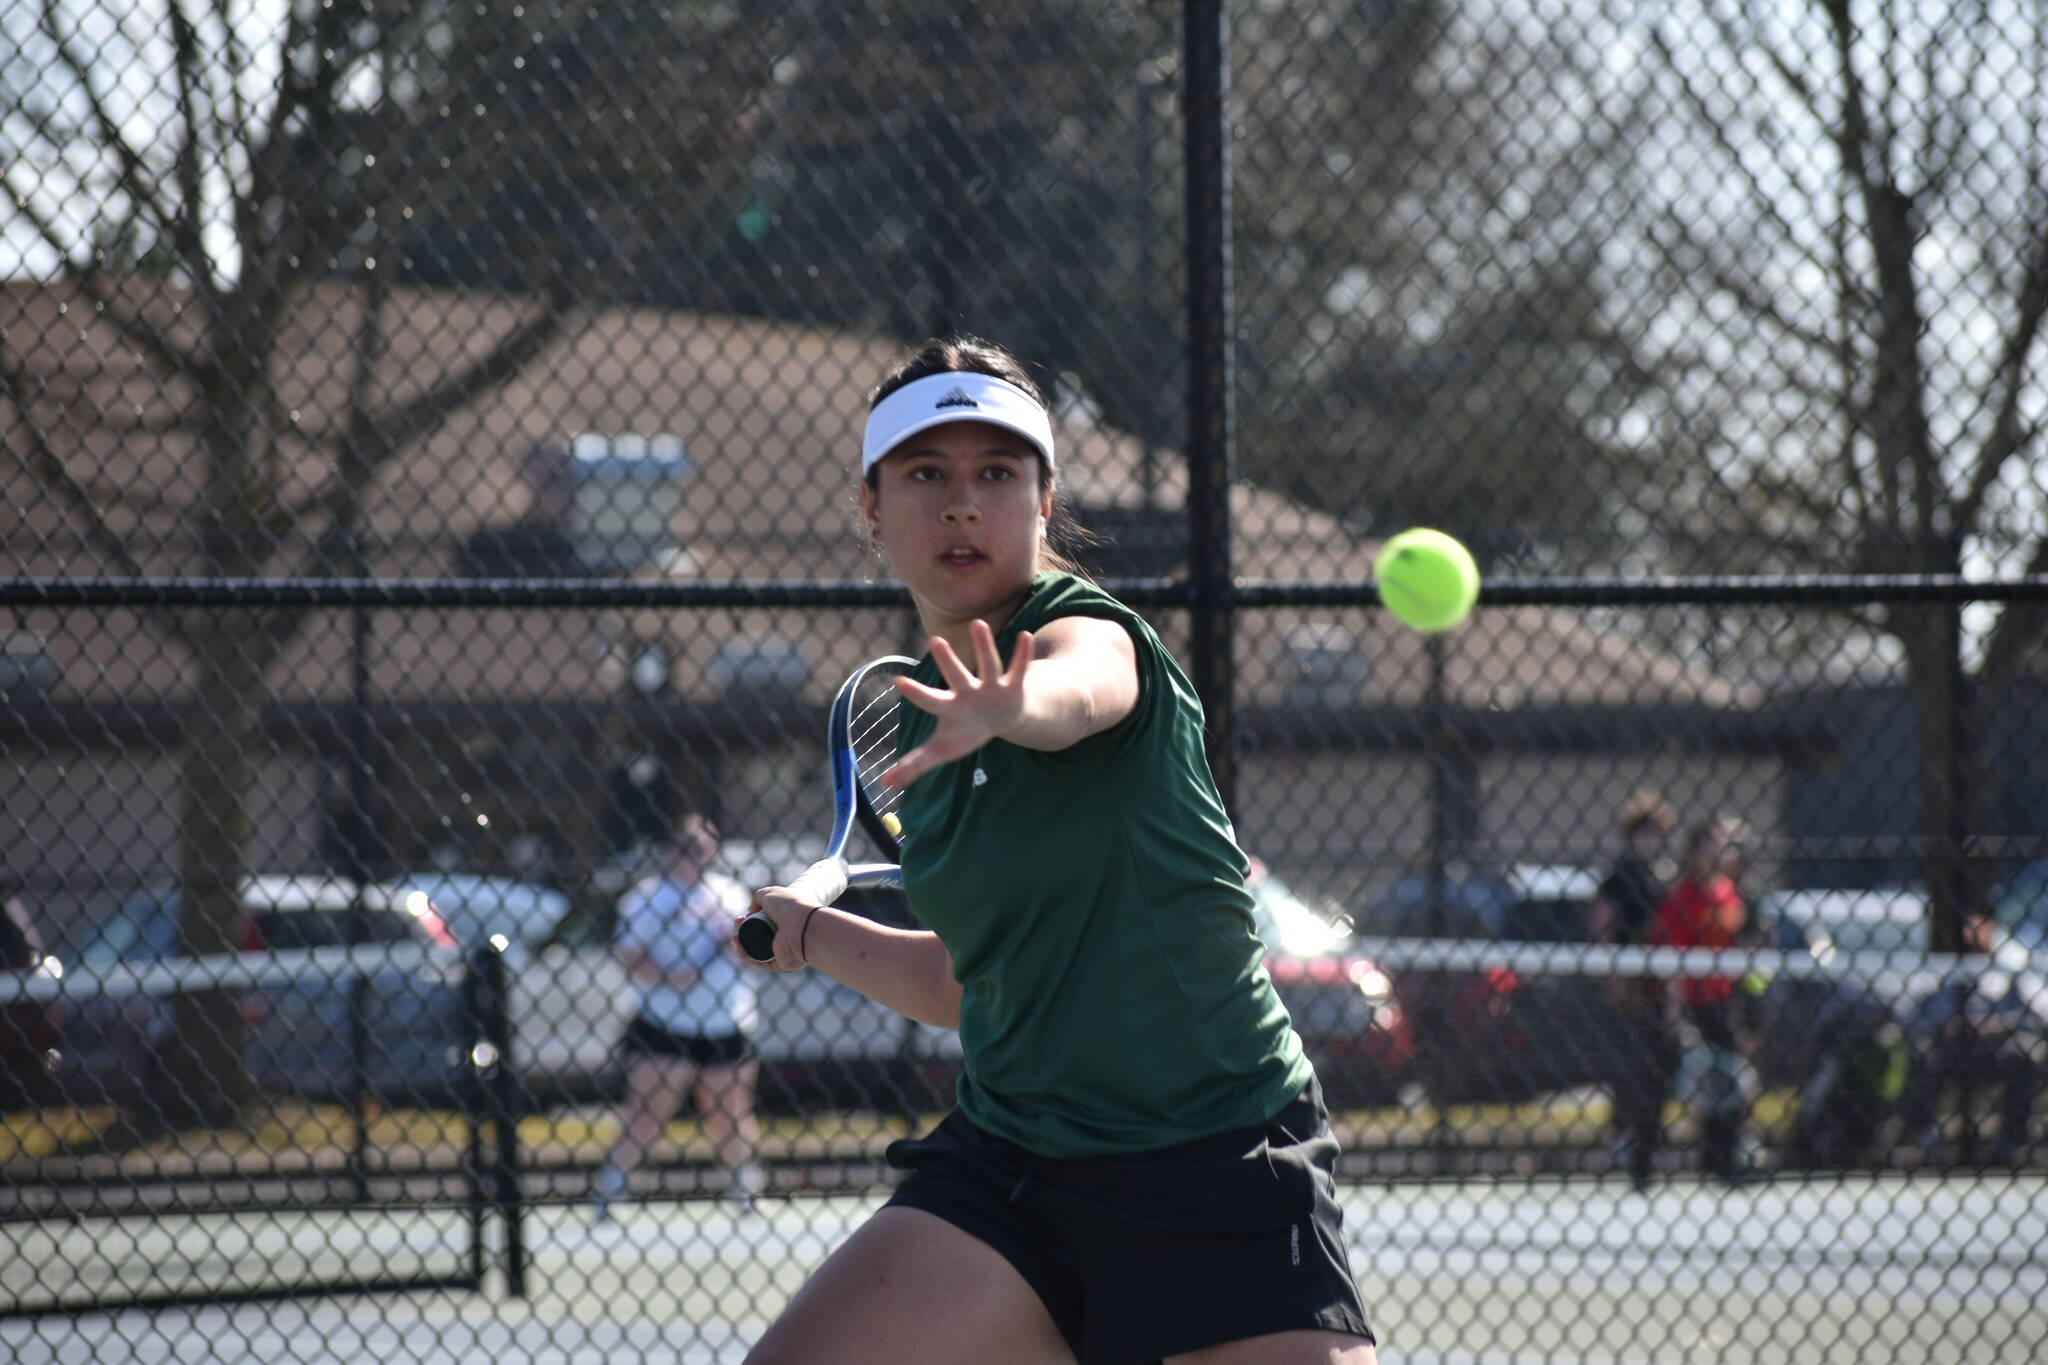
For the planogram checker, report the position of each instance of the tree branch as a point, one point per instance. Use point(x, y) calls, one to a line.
point(2021, 626)
point(52, 471)
point(2010, 380)
point(429, 410)
point(269, 154)
point(1735, 40)
point(93, 282)
point(1747, 291)
point(188, 78)
point(235, 64)
point(157, 343)
point(1717, 128)
point(1850, 296)
point(134, 175)
point(370, 440)
point(1898, 389)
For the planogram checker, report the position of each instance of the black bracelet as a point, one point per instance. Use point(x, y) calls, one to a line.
point(803, 937)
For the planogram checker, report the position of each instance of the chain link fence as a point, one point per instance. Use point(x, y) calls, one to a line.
point(426, 457)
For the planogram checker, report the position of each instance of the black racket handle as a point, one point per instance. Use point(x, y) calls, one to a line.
point(757, 937)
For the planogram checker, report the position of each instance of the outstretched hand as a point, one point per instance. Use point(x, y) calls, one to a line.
point(973, 708)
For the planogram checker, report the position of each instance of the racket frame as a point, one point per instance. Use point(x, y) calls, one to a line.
point(826, 880)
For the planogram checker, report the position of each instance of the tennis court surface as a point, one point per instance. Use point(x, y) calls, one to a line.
point(1575, 1272)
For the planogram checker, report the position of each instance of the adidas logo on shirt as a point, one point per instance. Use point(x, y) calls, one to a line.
point(956, 398)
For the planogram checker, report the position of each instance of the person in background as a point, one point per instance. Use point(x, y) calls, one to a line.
point(1705, 910)
point(1641, 1049)
point(1976, 1032)
point(1625, 907)
point(697, 1009)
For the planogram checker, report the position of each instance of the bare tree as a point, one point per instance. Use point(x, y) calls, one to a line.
point(195, 172)
point(1844, 315)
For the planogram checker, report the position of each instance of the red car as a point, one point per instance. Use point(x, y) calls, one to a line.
point(1342, 1003)
point(1495, 1035)
point(30, 1030)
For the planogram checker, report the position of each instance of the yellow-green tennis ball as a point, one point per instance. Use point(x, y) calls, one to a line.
point(1427, 579)
point(892, 824)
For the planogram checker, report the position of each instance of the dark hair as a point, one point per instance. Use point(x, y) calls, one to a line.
point(957, 355)
point(1646, 808)
point(693, 833)
point(1727, 830)
point(1064, 537)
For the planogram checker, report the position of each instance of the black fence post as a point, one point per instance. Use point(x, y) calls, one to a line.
point(1205, 109)
point(501, 1102)
point(493, 1092)
point(472, 1091)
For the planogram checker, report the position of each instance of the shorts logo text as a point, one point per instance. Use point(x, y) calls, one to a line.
point(1294, 1244)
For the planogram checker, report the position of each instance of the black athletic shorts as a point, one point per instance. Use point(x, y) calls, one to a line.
point(1151, 1254)
point(650, 1039)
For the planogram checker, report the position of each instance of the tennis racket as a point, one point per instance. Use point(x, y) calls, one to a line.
point(860, 738)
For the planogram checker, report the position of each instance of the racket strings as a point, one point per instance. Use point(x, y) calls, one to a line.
point(872, 734)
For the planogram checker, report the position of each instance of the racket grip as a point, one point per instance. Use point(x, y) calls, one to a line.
point(757, 937)
point(822, 883)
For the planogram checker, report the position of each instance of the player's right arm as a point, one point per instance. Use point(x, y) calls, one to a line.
point(907, 970)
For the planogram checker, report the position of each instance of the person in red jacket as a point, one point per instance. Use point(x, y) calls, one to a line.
point(1705, 910)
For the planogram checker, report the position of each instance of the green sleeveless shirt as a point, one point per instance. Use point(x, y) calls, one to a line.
point(1093, 901)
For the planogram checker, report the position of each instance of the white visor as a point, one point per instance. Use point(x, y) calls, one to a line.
point(955, 396)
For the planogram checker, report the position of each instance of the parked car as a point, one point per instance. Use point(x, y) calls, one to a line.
point(475, 907)
point(1850, 1041)
point(2021, 905)
point(298, 1029)
point(1893, 922)
point(569, 1002)
point(1497, 1035)
point(31, 1041)
point(1342, 1004)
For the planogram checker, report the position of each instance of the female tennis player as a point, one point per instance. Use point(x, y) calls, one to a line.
point(1140, 1166)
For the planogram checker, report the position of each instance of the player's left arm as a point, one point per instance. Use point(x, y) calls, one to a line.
point(1076, 677)
point(1082, 679)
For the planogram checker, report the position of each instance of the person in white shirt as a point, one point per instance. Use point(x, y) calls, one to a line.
point(691, 1035)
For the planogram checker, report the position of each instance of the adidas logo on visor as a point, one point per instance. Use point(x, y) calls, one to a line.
point(950, 396)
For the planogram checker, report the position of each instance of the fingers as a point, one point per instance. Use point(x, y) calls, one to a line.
point(924, 698)
point(988, 663)
point(950, 668)
point(923, 759)
point(1020, 659)
point(788, 914)
point(973, 707)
